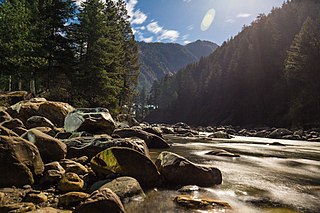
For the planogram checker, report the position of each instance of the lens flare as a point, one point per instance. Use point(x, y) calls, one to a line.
point(208, 19)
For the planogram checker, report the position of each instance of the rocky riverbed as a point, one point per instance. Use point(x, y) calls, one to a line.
point(55, 158)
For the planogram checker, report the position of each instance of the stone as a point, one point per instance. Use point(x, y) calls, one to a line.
point(39, 121)
point(167, 130)
point(7, 132)
point(51, 177)
point(54, 166)
point(90, 146)
point(13, 123)
point(126, 162)
point(19, 130)
point(54, 111)
point(220, 134)
point(200, 202)
point(177, 170)
point(125, 187)
point(17, 207)
point(222, 153)
point(101, 201)
point(4, 116)
point(2, 195)
point(152, 141)
point(127, 119)
point(181, 125)
point(70, 182)
point(314, 139)
point(50, 210)
point(72, 166)
point(189, 189)
point(35, 198)
point(20, 162)
point(72, 199)
point(279, 133)
point(154, 130)
point(51, 149)
point(45, 130)
point(92, 120)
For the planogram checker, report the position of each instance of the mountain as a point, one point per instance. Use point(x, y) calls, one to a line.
point(159, 59)
point(266, 75)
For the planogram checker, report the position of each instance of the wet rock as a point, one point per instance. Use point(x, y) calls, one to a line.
point(126, 162)
point(127, 120)
point(167, 130)
point(222, 153)
point(72, 166)
point(189, 189)
point(125, 187)
point(153, 130)
point(279, 133)
point(101, 201)
point(152, 141)
point(35, 198)
point(17, 207)
point(39, 121)
point(276, 144)
point(183, 131)
point(13, 123)
point(51, 149)
point(181, 125)
point(261, 134)
point(45, 130)
point(70, 182)
point(90, 146)
point(7, 132)
point(54, 111)
point(50, 210)
point(92, 120)
point(220, 134)
point(20, 162)
point(71, 199)
point(177, 170)
point(200, 202)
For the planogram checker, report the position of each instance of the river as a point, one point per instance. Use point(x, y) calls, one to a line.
point(265, 178)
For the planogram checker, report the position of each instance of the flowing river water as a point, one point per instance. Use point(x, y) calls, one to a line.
point(265, 178)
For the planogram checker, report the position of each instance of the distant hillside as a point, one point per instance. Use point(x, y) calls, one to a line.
point(159, 59)
point(267, 74)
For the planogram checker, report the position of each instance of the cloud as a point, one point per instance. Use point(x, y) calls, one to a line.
point(185, 37)
point(244, 15)
point(142, 38)
point(230, 20)
point(154, 27)
point(190, 27)
point(138, 17)
point(186, 42)
point(171, 35)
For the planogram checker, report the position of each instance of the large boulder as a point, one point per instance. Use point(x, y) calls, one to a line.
point(177, 170)
point(71, 199)
point(70, 182)
point(279, 133)
point(152, 140)
point(121, 161)
point(39, 121)
point(90, 146)
point(54, 111)
point(20, 162)
point(125, 187)
point(220, 134)
point(51, 149)
point(92, 120)
point(101, 201)
point(12, 124)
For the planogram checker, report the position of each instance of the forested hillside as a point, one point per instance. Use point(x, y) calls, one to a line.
point(267, 74)
point(159, 59)
point(82, 54)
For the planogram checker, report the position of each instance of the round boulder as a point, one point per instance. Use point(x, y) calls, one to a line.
point(70, 182)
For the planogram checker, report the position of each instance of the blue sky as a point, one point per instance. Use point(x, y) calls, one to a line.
point(184, 21)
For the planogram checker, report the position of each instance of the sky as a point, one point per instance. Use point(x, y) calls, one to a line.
point(184, 21)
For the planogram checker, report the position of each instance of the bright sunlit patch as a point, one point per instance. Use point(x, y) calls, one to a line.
point(208, 19)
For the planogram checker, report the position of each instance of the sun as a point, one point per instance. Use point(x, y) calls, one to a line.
point(208, 19)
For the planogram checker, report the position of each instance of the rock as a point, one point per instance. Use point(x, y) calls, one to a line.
point(220, 134)
point(92, 120)
point(189, 189)
point(154, 130)
point(63, 135)
point(222, 153)
point(261, 134)
point(152, 141)
point(72, 199)
point(127, 119)
point(50, 210)
point(4, 116)
point(70, 182)
point(54, 166)
point(19, 130)
point(292, 137)
point(101, 201)
point(72, 166)
point(20, 162)
point(12, 97)
point(54, 111)
point(7, 132)
point(125, 187)
point(167, 130)
point(200, 202)
point(39, 121)
point(45, 130)
point(177, 170)
point(126, 162)
point(52, 174)
point(183, 131)
point(2, 195)
point(314, 139)
point(181, 125)
point(279, 133)
point(17, 207)
point(51, 149)
point(13, 123)
point(35, 198)
point(90, 146)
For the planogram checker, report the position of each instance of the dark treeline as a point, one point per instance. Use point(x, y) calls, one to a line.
point(267, 74)
point(82, 54)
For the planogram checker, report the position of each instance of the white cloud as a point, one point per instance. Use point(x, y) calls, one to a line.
point(186, 42)
point(243, 15)
point(171, 35)
point(138, 17)
point(230, 21)
point(185, 37)
point(154, 27)
point(190, 27)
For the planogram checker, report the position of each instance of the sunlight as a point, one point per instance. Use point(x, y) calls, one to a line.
point(208, 19)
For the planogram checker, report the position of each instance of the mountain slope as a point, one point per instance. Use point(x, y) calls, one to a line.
point(159, 59)
point(244, 82)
